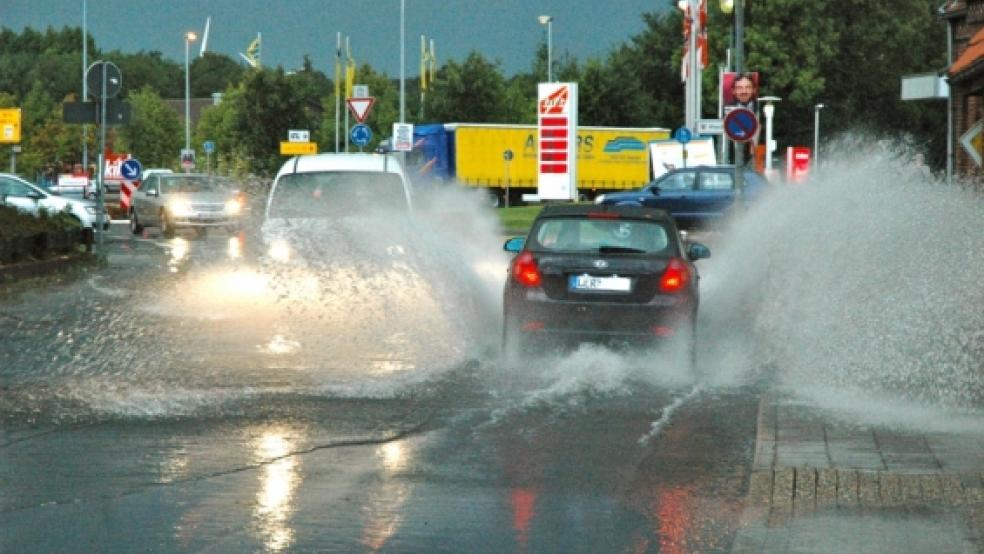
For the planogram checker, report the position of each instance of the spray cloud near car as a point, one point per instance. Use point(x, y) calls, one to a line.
point(861, 284)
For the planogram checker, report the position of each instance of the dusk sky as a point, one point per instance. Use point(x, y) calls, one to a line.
point(504, 30)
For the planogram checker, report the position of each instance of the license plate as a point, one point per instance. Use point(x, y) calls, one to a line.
point(607, 284)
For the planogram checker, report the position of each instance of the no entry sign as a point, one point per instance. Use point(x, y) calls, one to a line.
point(741, 125)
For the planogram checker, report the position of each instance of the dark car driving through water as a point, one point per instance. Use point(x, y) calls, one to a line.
point(695, 196)
point(609, 274)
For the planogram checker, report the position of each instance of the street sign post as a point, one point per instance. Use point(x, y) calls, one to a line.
point(288, 148)
point(710, 126)
point(131, 170)
point(10, 125)
point(298, 135)
point(403, 137)
point(360, 107)
point(741, 125)
point(360, 135)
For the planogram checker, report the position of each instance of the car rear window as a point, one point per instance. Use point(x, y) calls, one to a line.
point(592, 235)
point(337, 193)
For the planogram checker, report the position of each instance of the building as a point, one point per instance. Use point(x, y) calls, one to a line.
point(965, 19)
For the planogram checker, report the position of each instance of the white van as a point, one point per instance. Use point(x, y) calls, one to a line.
point(317, 191)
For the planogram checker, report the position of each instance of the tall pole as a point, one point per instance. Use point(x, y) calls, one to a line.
point(348, 56)
point(550, 50)
point(338, 85)
point(403, 60)
point(739, 69)
point(949, 106)
point(816, 134)
point(85, 89)
point(188, 38)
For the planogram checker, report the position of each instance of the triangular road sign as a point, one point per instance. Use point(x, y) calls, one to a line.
point(360, 107)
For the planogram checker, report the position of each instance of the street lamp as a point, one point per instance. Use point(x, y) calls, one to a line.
point(548, 21)
point(769, 109)
point(190, 37)
point(816, 134)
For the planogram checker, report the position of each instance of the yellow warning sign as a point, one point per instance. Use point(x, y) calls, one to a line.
point(297, 148)
point(10, 125)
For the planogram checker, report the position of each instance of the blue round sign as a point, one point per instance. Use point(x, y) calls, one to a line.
point(131, 170)
point(360, 135)
point(682, 135)
point(741, 124)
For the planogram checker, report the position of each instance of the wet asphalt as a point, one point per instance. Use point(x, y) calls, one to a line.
point(143, 410)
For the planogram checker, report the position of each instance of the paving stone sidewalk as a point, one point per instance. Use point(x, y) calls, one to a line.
point(820, 485)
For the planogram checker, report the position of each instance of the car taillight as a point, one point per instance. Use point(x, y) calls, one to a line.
point(675, 277)
point(525, 270)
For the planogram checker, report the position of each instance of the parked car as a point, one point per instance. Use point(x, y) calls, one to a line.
point(174, 201)
point(693, 195)
point(611, 273)
point(28, 197)
point(311, 193)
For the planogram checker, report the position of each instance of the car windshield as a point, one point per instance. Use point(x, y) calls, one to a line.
point(601, 235)
point(194, 183)
point(337, 194)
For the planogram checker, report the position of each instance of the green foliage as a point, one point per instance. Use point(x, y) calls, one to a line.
point(472, 91)
point(154, 134)
point(213, 73)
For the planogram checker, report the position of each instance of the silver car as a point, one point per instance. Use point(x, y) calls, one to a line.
point(28, 197)
point(185, 200)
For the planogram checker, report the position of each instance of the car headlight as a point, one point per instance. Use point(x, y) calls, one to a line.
point(280, 250)
point(599, 199)
point(234, 206)
point(180, 208)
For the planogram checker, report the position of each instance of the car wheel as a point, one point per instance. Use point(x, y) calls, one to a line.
point(135, 227)
point(167, 228)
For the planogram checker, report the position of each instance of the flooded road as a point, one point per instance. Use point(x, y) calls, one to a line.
point(179, 400)
point(182, 400)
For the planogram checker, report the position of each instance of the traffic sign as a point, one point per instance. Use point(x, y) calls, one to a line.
point(131, 170)
point(97, 72)
point(288, 148)
point(188, 158)
point(682, 135)
point(208, 146)
point(299, 135)
point(403, 137)
point(360, 135)
point(741, 125)
point(360, 107)
point(10, 125)
point(710, 126)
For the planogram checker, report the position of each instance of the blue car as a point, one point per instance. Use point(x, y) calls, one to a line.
point(694, 196)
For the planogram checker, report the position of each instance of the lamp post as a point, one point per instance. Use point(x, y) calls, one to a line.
point(816, 134)
point(769, 109)
point(190, 37)
point(548, 21)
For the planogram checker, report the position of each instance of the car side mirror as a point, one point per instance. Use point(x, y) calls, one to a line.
point(697, 251)
point(514, 244)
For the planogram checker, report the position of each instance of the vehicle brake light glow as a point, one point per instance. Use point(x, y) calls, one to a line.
point(662, 331)
point(534, 326)
point(675, 277)
point(525, 270)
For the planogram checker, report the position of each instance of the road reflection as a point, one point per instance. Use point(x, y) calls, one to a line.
point(384, 507)
point(278, 483)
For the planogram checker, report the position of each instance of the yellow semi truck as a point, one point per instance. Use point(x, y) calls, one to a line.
point(503, 158)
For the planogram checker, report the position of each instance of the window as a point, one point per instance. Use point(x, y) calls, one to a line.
point(11, 187)
point(337, 194)
point(683, 180)
point(716, 181)
point(590, 235)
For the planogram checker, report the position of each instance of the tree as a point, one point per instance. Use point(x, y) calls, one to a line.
point(154, 134)
point(213, 73)
point(473, 91)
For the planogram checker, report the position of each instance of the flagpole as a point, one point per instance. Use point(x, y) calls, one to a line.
point(338, 83)
point(423, 73)
point(348, 60)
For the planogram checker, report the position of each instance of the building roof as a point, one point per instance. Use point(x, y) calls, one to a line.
point(973, 55)
point(952, 8)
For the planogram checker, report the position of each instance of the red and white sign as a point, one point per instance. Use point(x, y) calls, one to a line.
point(360, 107)
point(557, 125)
point(126, 192)
point(797, 164)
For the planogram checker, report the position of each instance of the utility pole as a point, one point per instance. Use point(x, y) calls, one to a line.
point(739, 69)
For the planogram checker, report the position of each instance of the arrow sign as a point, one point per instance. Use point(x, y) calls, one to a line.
point(360, 107)
point(131, 170)
point(971, 142)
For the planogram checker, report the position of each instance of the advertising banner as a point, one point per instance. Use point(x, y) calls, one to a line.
point(557, 147)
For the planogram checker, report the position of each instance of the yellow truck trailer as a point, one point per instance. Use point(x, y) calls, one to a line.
point(504, 157)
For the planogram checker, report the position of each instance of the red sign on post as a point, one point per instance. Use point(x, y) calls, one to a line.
point(797, 164)
point(360, 107)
